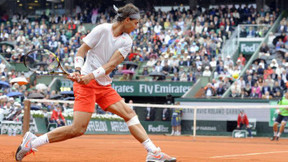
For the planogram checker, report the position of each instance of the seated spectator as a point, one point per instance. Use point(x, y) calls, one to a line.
point(267, 96)
point(145, 71)
point(207, 72)
point(220, 90)
point(264, 50)
point(57, 116)
point(220, 68)
point(279, 44)
point(267, 72)
point(276, 88)
point(236, 87)
point(274, 64)
point(228, 61)
point(209, 90)
point(269, 81)
point(213, 63)
point(242, 59)
point(281, 83)
point(260, 70)
point(166, 68)
point(266, 88)
point(274, 75)
point(256, 91)
point(175, 77)
point(191, 77)
point(234, 94)
point(243, 120)
point(247, 90)
point(151, 62)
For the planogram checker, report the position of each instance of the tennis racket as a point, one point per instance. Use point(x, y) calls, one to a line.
point(44, 62)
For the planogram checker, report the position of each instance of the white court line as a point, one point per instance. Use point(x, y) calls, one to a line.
point(250, 154)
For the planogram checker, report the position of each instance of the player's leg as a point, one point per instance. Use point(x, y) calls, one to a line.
point(83, 107)
point(249, 130)
point(136, 129)
point(275, 126)
point(31, 142)
point(283, 123)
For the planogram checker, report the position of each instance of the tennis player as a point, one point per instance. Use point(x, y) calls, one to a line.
point(281, 118)
point(105, 47)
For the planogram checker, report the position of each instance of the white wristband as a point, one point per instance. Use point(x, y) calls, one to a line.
point(99, 72)
point(78, 61)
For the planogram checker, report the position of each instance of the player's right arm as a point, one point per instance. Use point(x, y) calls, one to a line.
point(79, 59)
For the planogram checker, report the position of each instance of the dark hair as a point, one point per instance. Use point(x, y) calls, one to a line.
point(126, 11)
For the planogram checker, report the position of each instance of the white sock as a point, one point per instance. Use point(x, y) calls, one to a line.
point(149, 145)
point(279, 134)
point(275, 134)
point(39, 141)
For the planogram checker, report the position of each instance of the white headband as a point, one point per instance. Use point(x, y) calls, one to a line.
point(132, 16)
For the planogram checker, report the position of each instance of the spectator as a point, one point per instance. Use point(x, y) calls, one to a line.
point(243, 120)
point(266, 88)
point(176, 121)
point(175, 77)
point(207, 72)
point(256, 91)
point(236, 88)
point(209, 90)
point(57, 116)
point(242, 59)
point(220, 90)
point(150, 114)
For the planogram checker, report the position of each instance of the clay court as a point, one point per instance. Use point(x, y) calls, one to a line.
point(123, 148)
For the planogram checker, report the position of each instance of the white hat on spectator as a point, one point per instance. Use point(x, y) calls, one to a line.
point(9, 73)
point(8, 50)
point(238, 60)
point(228, 56)
point(166, 56)
point(66, 64)
point(225, 67)
point(11, 99)
point(197, 58)
point(286, 64)
point(3, 77)
point(207, 68)
point(4, 96)
point(199, 67)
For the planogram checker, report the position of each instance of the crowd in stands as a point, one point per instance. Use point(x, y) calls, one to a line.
point(181, 45)
point(267, 77)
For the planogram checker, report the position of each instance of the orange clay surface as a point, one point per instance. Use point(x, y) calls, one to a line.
point(123, 148)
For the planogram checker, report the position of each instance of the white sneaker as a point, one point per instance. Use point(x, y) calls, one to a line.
point(159, 156)
point(25, 148)
point(172, 133)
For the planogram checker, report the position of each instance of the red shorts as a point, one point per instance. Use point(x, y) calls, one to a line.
point(87, 95)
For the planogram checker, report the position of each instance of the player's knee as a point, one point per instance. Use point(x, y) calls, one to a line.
point(78, 131)
point(129, 114)
point(133, 121)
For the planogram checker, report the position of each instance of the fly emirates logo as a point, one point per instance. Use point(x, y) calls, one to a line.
point(157, 88)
